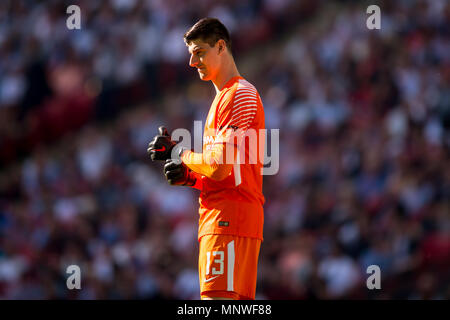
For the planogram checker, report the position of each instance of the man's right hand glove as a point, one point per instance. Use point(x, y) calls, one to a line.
point(160, 148)
point(177, 174)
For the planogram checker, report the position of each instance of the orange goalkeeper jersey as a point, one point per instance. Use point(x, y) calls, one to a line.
point(229, 169)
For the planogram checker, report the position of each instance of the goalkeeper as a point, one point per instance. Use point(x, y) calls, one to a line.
point(231, 202)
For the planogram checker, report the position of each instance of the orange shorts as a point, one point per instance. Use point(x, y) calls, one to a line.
point(227, 266)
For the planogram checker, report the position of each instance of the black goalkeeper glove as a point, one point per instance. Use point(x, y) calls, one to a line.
point(177, 174)
point(160, 148)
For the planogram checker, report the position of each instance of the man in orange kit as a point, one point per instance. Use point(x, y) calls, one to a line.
point(228, 172)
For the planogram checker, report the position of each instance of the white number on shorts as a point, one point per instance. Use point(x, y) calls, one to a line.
point(220, 257)
point(219, 261)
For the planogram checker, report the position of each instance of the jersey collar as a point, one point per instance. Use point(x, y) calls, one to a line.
point(231, 82)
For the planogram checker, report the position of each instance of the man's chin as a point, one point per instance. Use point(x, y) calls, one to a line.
point(203, 76)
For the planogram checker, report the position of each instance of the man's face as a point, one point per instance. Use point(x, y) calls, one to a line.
point(205, 58)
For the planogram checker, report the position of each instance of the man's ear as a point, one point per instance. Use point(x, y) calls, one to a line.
point(221, 44)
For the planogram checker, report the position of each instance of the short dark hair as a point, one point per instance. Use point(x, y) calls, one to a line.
point(209, 30)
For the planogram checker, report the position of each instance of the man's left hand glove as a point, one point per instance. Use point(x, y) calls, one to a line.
point(177, 174)
point(160, 148)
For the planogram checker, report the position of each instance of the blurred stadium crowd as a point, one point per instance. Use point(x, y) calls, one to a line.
point(364, 119)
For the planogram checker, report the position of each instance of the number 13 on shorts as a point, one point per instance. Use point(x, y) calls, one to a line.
point(228, 265)
point(217, 261)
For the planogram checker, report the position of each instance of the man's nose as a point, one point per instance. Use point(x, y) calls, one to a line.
point(193, 61)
